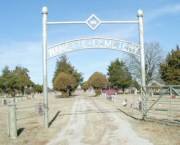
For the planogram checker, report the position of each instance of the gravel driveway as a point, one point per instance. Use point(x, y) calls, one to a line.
point(94, 122)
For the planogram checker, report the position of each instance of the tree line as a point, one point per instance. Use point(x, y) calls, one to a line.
point(118, 77)
point(67, 78)
point(17, 81)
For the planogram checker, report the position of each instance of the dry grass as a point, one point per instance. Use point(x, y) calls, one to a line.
point(33, 132)
point(158, 134)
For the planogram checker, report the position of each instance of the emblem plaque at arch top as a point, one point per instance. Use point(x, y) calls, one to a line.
point(93, 22)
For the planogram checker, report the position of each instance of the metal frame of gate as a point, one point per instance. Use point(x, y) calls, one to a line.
point(163, 103)
point(93, 22)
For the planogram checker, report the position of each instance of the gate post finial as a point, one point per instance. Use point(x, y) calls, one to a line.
point(44, 10)
point(140, 13)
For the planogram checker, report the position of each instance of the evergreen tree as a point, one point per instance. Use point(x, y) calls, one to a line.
point(119, 76)
point(170, 69)
point(85, 85)
point(65, 83)
point(98, 81)
point(23, 79)
point(63, 65)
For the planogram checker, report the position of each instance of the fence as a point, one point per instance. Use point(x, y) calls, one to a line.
point(163, 103)
point(130, 104)
point(4, 99)
point(19, 113)
point(158, 104)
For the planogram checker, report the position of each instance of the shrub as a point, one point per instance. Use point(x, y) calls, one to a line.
point(98, 81)
point(85, 86)
point(65, 83)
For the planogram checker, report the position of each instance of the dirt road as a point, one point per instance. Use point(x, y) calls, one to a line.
point(94, 122)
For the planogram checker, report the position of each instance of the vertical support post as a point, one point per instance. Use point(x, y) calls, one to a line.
point(44, 45)
point(170, 104)
point(12, 120)
point(140, 16)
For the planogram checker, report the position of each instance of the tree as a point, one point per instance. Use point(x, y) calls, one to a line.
point(98, 81)
point(5, 71)
point(170, 69)
point(135, 84)
point(38, 88)
point(63, 65)
point(65, 83)
point(14, 81)
point(3, 79)
point(23, 79)
point(8, 84)
point(153, 58)
point(119, 76)
point(85, 86)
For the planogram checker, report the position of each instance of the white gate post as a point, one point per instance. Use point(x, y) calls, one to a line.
point(44, 45)
point(141, 43)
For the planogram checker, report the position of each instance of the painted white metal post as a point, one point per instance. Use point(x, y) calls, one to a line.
point(44, 45)
point(141, 43)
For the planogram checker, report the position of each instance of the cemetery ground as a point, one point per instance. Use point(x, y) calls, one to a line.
point(83, 120)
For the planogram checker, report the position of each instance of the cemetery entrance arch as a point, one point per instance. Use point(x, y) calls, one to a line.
point(90, 43)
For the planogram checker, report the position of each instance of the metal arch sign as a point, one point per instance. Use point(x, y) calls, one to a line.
point(93, 43)
point(93, 22)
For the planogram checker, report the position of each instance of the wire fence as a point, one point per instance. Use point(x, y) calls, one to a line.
point(26, 112)
point(130, 104)
point(20, 115)
point(158, 104)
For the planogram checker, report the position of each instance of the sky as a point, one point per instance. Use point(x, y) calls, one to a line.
point(21, 31)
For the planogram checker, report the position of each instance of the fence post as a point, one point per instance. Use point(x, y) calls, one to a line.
point(170, 99)
point(12, 120)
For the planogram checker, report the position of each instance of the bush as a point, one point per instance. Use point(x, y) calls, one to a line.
point(65, 83)
point(85, 86)
point(63, 65)
point(98, 92)
point(38, 88)
point(98, 81)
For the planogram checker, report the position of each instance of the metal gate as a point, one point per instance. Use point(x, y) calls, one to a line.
point(163, 103)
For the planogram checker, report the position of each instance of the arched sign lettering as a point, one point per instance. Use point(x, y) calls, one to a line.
point(93, 43)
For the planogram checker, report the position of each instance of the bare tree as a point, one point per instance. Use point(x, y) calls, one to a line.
point(153, 58)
